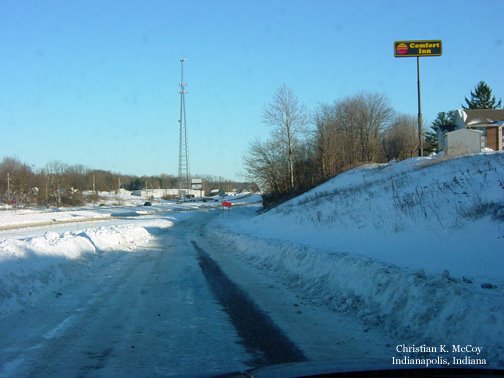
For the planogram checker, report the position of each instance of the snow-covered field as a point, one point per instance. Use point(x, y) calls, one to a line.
point(416, 247)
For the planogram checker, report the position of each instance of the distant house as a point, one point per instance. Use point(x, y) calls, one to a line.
point(488, 125)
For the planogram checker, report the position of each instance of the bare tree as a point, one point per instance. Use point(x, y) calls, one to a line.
point(289, 118)
point(267, 167)
point(17, 182)
point(348, 132)
point(55, 186)
point(308, 173)
point(373, 113)
point(329, 134)
point(399, 140)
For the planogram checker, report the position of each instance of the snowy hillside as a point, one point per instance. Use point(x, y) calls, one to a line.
point(416, 247)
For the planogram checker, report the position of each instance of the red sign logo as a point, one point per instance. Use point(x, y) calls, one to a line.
point(402, 49)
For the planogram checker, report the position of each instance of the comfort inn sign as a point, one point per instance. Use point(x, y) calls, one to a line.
point(417, 48)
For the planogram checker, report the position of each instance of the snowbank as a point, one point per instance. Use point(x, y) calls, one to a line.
point(418, 307)
point(33, 267)
point(33, 217)
point(244, 198)
point(421, 213)
point(415, 247)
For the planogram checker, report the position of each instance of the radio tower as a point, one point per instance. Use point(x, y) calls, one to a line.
point(183, 168)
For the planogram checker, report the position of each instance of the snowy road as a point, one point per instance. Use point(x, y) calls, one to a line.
point(149, 312)
point(175, 307)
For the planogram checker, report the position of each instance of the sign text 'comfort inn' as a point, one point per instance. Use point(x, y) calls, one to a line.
point(417, 48)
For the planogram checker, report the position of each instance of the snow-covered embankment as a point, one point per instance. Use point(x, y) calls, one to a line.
point(414, 247)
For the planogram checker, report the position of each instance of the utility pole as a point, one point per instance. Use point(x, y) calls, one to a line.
point(47, 191)
point(8, 187)
point(183, 166)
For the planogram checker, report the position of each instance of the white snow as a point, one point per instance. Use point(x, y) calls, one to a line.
point(32, 267)
point(40, 250)
point(413, 247)
point(10, 219)
point(416, 247)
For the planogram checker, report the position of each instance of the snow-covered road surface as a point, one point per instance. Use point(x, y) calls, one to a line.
point(155, 312)
point(148, 313)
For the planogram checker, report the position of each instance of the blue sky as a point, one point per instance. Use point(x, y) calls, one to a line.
point(95, 82)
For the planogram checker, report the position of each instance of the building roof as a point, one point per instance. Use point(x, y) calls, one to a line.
point(465, 131)
point(483, 117)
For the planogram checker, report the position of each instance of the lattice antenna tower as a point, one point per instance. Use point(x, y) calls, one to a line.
point(183, 167)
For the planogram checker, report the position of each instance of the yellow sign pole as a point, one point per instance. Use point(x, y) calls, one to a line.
point(405, 49)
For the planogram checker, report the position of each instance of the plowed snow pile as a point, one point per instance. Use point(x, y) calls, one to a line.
point(35, 266)
point(416, 247)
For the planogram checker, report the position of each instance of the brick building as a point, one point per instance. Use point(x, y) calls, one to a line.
point(488, 121)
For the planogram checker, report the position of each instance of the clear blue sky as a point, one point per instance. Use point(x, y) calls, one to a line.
point(95, 82)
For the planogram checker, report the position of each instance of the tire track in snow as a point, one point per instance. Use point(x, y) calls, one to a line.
point(261, 337)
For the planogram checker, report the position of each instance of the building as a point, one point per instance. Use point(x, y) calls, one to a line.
point(488, 125)
point(462, 142)
point(165, 193)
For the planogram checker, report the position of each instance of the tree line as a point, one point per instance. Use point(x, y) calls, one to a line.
point(60, 184)
point(305, 149)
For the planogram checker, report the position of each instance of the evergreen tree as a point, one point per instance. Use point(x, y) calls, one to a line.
point(431, 141)
point(445, 121)
point(136, 184)
point(482, 98)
